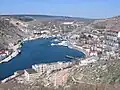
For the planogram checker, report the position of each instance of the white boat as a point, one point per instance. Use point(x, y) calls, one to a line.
point(56, 40)
point(63, 43)
point(70, 57)
point(52, 44)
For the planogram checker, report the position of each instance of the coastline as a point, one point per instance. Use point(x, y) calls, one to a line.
point(18, 46)
point(7, 59)
point(79, 49)
point(70, 45)
point(16, 51)
point(73, 46)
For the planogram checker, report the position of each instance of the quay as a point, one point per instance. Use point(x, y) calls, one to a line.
point(12, 77)
point(14, 54)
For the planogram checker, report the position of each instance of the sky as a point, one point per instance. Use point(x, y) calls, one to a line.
point(75, 8)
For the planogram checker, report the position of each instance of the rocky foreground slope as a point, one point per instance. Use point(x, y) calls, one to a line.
point(102, 75)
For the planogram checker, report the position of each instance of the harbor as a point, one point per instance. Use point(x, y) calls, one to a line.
point(45, 54)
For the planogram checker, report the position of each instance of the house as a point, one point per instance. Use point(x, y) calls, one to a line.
point(2, 51)
point(1, 57)
point(45, 32)
point(36, 32)
point(41, 68)
point(30, 74)
point(3, 54)
point(67, 23)
point(93, 53)
point(112, 38)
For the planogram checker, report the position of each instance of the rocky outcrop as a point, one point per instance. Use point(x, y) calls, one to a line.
point(9, 32)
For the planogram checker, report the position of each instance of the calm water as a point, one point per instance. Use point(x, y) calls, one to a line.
point(35, 52)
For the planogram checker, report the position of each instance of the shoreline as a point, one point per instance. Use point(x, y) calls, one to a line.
point(10, 57)
point(70, 45)
point(16, 51)
point(79, 49)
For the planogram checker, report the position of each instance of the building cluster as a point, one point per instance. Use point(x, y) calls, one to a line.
point(54, 27)
point(99, 42)
point(40, 69)
point(4, 54)
point(12, 50)
point(112, 39)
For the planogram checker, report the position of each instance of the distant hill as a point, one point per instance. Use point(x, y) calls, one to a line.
point(49, 17)
point(108, 23)
point(10, 32)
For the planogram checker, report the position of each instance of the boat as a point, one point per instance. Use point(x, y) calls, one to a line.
point(52, 44)
point(63, 43)
point(70, 57)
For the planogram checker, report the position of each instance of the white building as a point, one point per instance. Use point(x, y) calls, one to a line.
point(30, 74)
point(119, 34)
point(48, 68)
point(68, 23)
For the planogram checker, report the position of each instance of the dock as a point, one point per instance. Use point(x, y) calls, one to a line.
point(14, 54)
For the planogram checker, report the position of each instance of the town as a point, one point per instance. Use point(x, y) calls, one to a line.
point(97, 43)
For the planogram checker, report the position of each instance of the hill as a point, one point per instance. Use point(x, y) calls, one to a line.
point(108, 23)
point(10, 32)
point(50, 17)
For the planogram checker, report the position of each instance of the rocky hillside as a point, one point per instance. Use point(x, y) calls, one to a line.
point(102, 75)
point(109, 23)
point(104, 72)
point(11, 31)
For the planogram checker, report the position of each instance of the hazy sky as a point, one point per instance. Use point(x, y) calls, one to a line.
point(76, 8)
